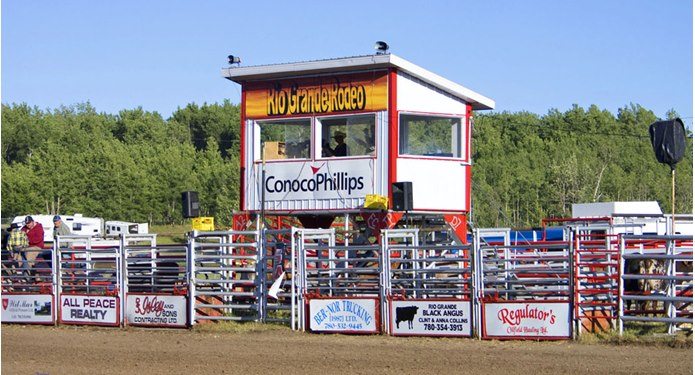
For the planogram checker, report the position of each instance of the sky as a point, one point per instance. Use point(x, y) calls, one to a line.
point(532, 55)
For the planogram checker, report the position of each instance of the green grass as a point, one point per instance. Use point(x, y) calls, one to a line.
point(239, 327)
point(642, 334)
point(170, 234)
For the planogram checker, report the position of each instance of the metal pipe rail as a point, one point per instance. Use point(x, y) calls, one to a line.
point(665, 266)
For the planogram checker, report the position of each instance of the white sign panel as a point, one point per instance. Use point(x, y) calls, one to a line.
point(527, 320)
point(355, 315)
point(89, 309)
point(431, 318)
point(325, 179)
point(27, 308)
point(156, 310)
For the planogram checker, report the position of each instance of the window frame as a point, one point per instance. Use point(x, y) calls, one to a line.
point(318, 138)
point(259, 143)
point(462, 142)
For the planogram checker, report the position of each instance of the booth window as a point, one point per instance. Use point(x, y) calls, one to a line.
point(347, 136)
point(430, 136)
point(286, 139)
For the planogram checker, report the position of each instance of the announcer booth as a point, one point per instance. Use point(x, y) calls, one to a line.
point(339, 134)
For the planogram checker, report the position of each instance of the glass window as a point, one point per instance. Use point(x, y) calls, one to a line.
point(347, 136)
point(286, 139)
point(430, 136)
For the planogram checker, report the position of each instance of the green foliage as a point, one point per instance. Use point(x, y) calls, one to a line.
point(134, 165)
point(530, 167)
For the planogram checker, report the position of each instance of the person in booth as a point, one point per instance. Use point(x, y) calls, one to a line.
point(34, 233)
point(341, 149)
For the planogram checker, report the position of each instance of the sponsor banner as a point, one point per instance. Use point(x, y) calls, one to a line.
point(353, 315)
point(335, 179)
point(430, 318)
point(536, 320)
point(156, 310)
point(318, 95)
point(89, 309)
point(27, 308)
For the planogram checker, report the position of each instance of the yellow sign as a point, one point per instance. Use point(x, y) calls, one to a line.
point(362, 92)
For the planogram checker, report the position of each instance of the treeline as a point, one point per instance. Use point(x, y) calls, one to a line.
point(134, 165)
point(529, 167)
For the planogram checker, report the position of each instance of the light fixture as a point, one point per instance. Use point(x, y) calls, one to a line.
point(381, 47)
point(234, 60)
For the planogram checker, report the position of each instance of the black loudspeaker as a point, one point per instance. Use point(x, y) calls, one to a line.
point(191, 207)
point(402, 194)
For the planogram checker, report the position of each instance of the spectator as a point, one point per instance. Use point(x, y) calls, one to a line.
point(340, 149)
point(16, 241)
point(60, 228)
point(34, 232)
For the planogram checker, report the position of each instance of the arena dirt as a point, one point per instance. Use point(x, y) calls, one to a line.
point(84, 350)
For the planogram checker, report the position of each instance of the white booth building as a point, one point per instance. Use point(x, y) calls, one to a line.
point(337, 130)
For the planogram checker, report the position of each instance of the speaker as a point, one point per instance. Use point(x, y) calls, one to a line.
point(191, 207)
point(402, 195)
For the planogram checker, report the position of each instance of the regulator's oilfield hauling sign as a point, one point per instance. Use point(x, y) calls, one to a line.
point(81, 309)
point(533, 320)
point(340, 315)
point(27, 308)
point(156, 310)
point(430, 318)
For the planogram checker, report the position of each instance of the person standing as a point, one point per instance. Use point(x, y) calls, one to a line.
point(16, 241)
point(34, 232)
point(60, 228)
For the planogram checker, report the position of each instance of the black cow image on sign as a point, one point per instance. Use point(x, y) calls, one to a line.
point(406, 314)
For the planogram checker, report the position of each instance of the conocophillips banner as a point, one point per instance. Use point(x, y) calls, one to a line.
point(335, 179)
point(534, 320)
point(317, 95)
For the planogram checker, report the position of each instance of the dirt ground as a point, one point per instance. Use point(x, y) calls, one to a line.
point(84, 350)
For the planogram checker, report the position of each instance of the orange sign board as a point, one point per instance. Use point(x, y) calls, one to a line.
point(317, 95)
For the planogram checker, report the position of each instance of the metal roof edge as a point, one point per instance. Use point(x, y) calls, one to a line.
point(246, 73)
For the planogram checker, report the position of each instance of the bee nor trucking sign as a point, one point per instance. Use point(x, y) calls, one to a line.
point(344, 315)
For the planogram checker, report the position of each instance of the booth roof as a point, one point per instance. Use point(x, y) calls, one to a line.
point(242, 74)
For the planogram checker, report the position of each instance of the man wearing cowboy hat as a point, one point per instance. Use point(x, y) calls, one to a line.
point(341, 148)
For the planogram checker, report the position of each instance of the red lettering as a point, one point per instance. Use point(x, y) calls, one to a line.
point(149, 306)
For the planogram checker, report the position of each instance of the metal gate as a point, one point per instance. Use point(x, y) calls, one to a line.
point(428, 288)
point(224, 268)
point(88, 280)
point(327, 275)
point(28, 286)
point(657, 280)
point(597, 275)
point(524, 290)
point(155, 282)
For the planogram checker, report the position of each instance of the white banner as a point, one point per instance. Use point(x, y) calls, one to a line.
point(354, 315)
point(326, 179)
point(89, 309)
point(535, 320)
point(431, 318)
point(27, 308)
point(156, 310)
